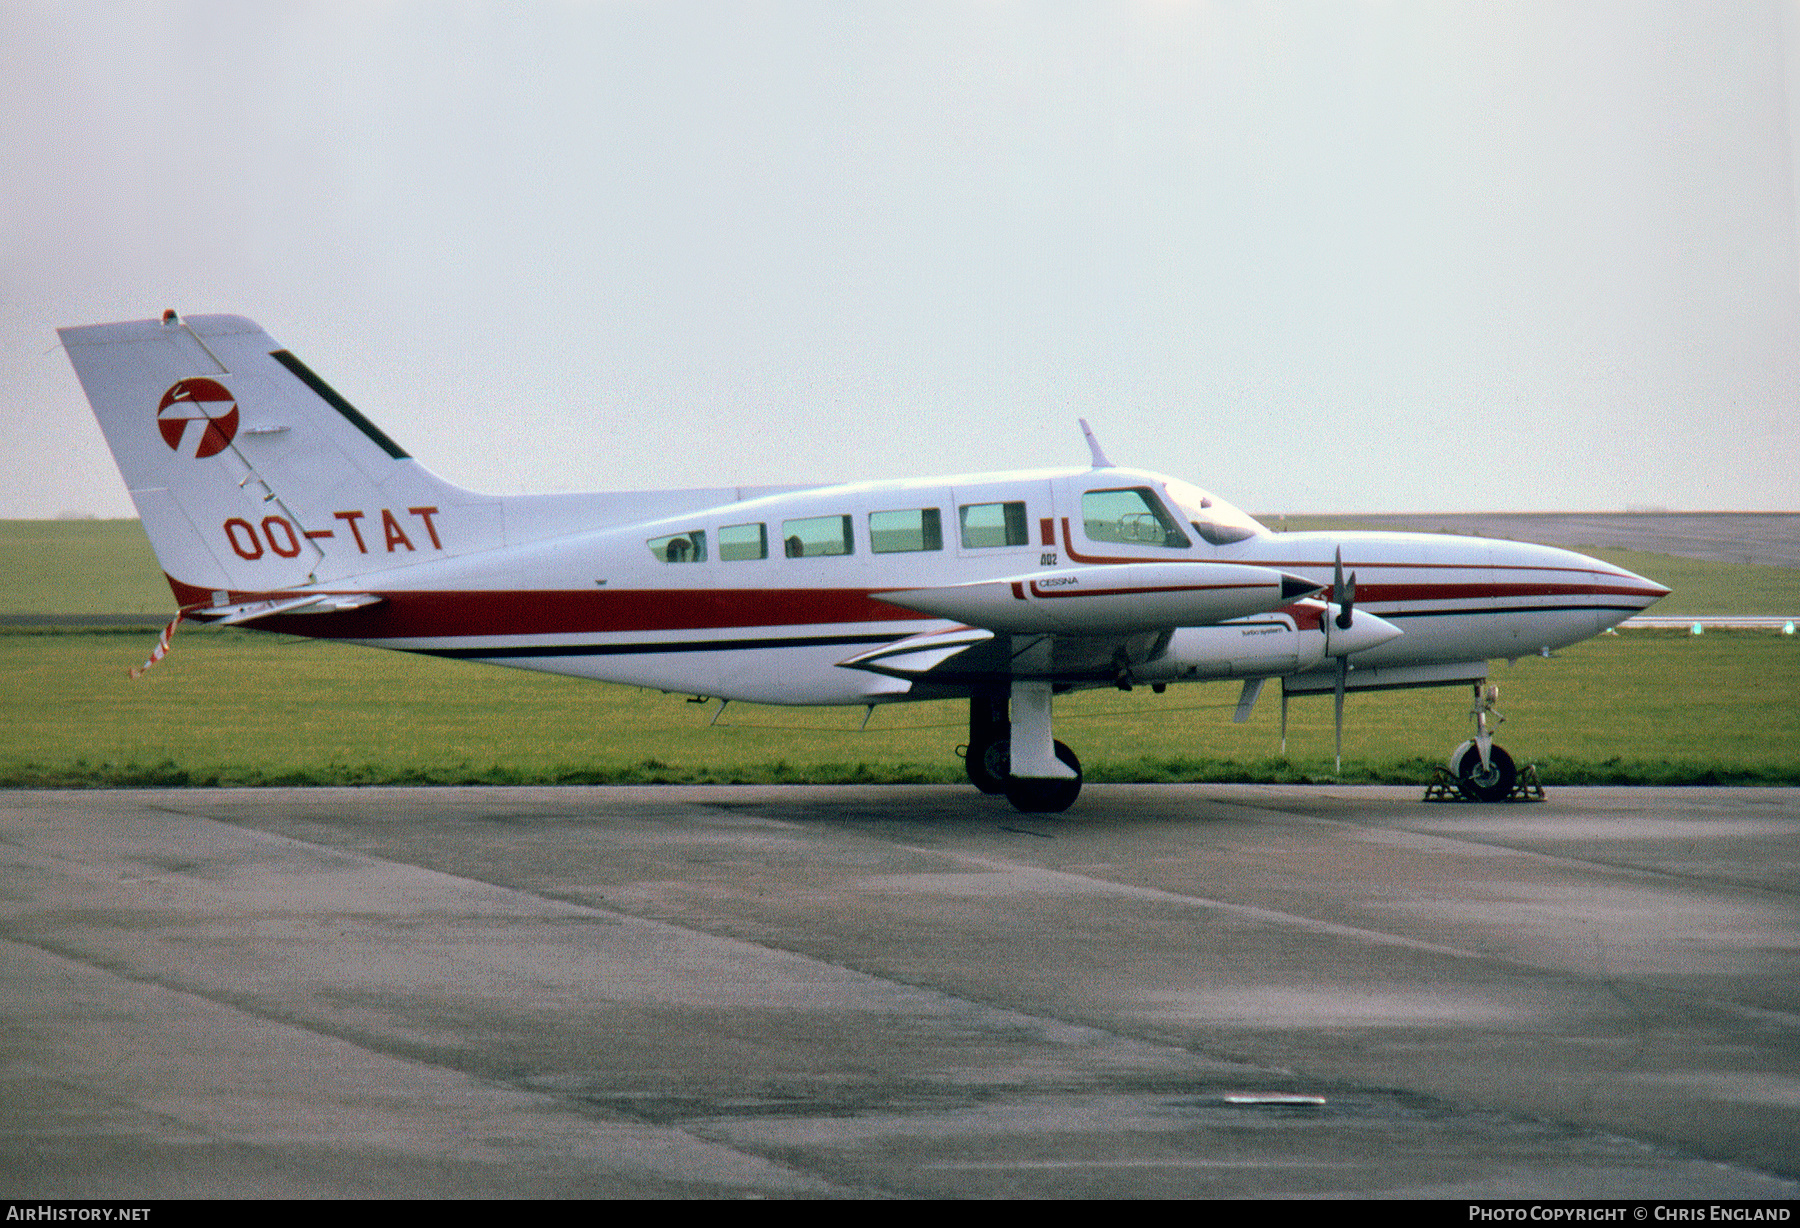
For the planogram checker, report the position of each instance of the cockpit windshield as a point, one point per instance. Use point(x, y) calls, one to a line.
point(1217, 521)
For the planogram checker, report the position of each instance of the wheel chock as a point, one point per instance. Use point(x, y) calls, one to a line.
point(1445, 788)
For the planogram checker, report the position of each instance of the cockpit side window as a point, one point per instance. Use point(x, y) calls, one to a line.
point(1133, 516)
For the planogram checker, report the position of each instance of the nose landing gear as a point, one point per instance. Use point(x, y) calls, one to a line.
point(1480, 771)
point(1492, 781)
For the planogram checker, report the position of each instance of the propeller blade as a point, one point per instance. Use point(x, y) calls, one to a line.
point(1343, 673)
point(1345, 592)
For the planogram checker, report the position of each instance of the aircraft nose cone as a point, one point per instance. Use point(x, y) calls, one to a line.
point(1651, 585)
point(1596, 575)
point(1613, 593)
point(1613, 580)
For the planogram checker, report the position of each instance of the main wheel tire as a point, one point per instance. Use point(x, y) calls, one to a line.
point(989, 762)
point(1493, 785)
point(1046, 796)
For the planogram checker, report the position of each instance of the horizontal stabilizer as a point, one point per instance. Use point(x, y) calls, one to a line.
point(230, 614)
point(1113, 599)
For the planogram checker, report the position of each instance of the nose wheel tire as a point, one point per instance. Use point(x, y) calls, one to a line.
point(1492, 784)
point(1045, 796)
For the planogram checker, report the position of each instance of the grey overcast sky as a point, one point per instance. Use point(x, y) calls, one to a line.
point(1377, 256)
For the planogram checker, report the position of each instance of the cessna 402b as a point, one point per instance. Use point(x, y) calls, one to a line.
point(272, 503)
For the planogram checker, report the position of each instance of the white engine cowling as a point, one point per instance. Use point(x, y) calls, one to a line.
point(1291, 640)
point(1114, 599)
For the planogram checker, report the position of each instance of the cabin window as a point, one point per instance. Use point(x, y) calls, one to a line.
point(993, 524)
point(902, 532)
point(1131, 517)
point(689, 547)
point(738, 542)
point(816, 536)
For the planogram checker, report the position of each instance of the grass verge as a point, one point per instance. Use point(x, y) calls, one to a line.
point(240, 708)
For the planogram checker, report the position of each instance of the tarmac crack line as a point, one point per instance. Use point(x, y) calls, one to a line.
point(1356, 933)
point(1247, 911)
point(394, 1054)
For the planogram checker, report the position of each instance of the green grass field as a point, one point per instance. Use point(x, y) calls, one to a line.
point(80, 567)
point(238, 707)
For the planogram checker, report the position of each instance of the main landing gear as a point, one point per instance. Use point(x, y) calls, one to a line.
point(989, 755)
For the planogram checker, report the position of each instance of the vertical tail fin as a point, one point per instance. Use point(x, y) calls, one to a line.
point(252, 474)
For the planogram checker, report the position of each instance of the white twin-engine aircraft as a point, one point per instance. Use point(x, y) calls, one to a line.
point(272, 503)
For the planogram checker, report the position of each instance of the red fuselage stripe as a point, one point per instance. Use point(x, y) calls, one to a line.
point(1400, 593)
point(1075, 591)
point(460, 613)
point(565, 612)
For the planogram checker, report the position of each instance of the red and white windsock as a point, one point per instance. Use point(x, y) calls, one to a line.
point(160, 651)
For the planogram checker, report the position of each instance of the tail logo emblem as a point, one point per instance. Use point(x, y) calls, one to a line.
point(198, 400)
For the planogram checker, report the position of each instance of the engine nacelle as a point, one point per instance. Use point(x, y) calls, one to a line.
point(1265, 646)
point(1293, 639)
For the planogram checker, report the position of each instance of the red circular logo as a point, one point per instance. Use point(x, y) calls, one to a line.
point(198, 400)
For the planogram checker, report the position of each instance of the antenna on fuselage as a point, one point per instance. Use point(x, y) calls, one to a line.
point(1087, 432)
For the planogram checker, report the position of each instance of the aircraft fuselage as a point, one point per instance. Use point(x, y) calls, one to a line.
point(761, 600)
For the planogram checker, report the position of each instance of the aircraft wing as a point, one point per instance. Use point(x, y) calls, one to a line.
point(974, 654)
point(1082, 624)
